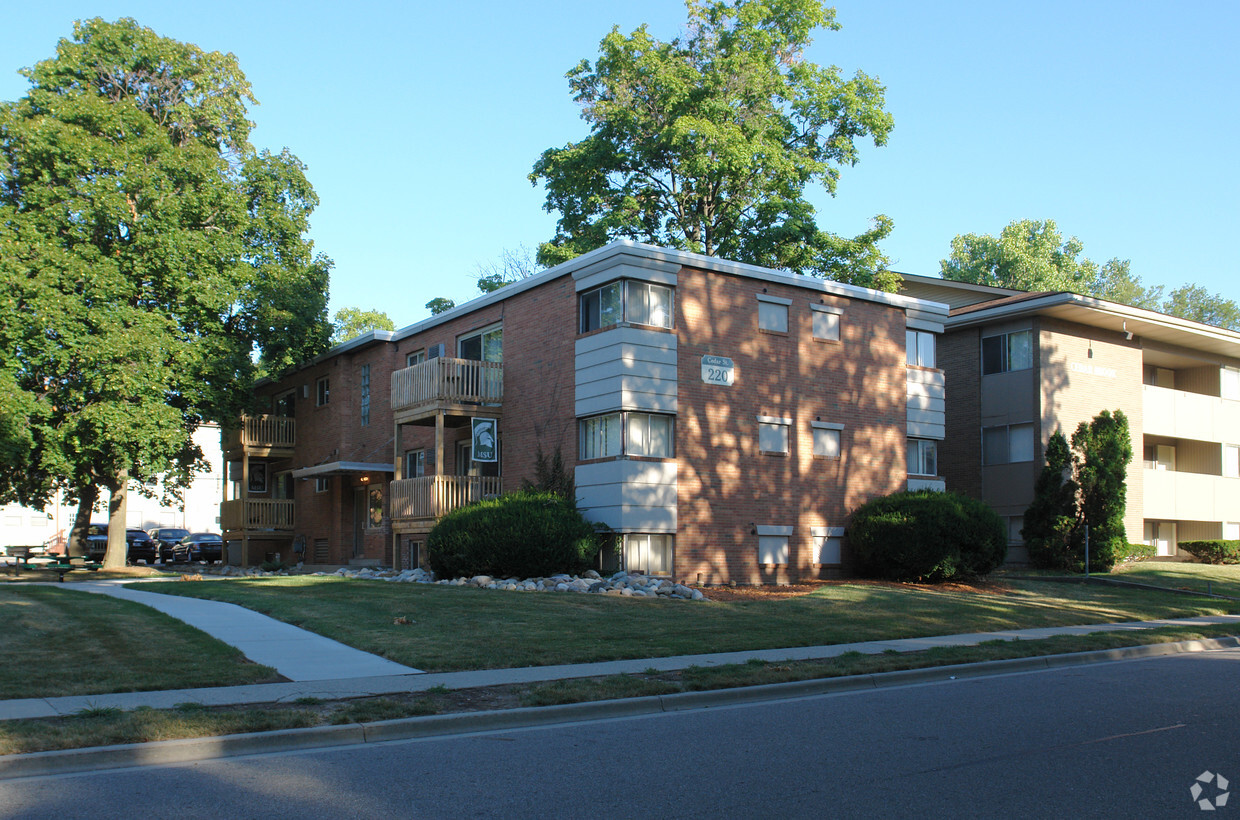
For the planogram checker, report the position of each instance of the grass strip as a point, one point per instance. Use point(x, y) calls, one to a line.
point(101, 727)
point(58, 642)
point(444, 629)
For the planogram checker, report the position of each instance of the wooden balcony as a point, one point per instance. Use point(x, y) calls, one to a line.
point(254, 515)
point(456, 387)
point(262, 436)
point(417, 503)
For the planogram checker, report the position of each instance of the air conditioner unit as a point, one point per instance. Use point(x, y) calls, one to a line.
point(435, 351)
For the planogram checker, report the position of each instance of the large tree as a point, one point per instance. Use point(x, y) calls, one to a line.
point(153, 264)
point(1032, 255)
point(350, 322)
point(708, 142)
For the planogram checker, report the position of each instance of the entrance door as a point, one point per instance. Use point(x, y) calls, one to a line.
point(1164, 540)
point(360, 511)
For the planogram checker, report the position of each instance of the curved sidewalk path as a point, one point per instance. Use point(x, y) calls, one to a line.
point(293, 652)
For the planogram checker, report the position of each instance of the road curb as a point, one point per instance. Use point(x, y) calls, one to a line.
point(188, 750)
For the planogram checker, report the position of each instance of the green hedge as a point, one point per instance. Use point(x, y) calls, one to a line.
point(926, 536)
point(1213, 552)
point(524, 534)
point(1135, 552)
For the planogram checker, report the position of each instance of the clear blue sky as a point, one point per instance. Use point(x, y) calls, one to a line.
point(419, 122)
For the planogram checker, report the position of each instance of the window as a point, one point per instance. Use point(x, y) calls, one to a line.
point(628, 433)
point(773, 313)
point(322, 485)
point(919, 348)
point(600, 437)
point(1011, 351)
point(1007, 444)
point(283, 485)
point(1230, 377)
point(416, 357)
point(285, 404)
point(1231, 460)
point(828, 544)
point(640, 303)
point(773, 544)
point(923, 456)
point(649, 435)
point(483, 346)
point(322, 391)
point(415, 463)
point(773, 434)
point(648, 304)
point(648, 554)
point(826, 439)
point(465, 464)
point(374, 516)
point(364, 393)
point(826, 322)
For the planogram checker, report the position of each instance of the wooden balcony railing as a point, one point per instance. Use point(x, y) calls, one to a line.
point(434, 495)
point(263, 432)
point(447, 381)
point(257, 514)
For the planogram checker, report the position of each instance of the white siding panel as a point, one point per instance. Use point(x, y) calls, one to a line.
point(927, 429)
point(629, 496)
point(626, 369)
point(926, 405)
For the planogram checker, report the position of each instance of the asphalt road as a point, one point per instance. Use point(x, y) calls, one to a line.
point(1126, 739)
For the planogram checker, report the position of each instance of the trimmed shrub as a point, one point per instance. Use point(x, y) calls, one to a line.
point(1213, 552)
point(1136, 552)
point(926, 536)
point(524, 534)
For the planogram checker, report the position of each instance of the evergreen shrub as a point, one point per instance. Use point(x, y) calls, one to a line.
point(524, 534)
point(924, 535)
point(1216, 551)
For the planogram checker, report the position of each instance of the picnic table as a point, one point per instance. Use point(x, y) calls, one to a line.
point(20, 559)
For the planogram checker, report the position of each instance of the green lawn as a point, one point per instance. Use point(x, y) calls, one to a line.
point(59, 642)
point(464, 628)
point(1221, 579)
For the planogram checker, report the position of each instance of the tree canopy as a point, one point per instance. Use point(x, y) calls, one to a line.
point(1032, 255)
point(708, 142)
point(152, 263)
point(351, 322)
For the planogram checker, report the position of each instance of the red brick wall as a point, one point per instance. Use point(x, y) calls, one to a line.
point(725, 485)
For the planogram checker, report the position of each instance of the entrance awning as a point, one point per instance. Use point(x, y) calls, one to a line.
point(342, 468)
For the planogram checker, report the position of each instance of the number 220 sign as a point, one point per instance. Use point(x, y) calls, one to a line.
point(718, 370)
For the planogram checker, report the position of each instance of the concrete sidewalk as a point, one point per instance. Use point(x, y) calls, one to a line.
point(354, 686)
point(294, 653)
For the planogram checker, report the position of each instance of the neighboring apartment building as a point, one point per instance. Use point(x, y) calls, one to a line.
point(722, 419)
point(198, 510)
point(1023, 365)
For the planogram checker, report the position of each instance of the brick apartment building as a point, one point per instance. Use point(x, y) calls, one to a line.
point(722, 419)
point(1023, 365)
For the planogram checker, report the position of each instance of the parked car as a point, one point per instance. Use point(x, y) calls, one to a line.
point(200, 546)
point(167, 538)
point(96, 541)
point(140, 547)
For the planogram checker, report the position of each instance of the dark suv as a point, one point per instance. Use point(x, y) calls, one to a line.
point(167, 538)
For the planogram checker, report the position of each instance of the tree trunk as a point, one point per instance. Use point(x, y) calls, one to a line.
point(76, 546)
point(118, 508)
